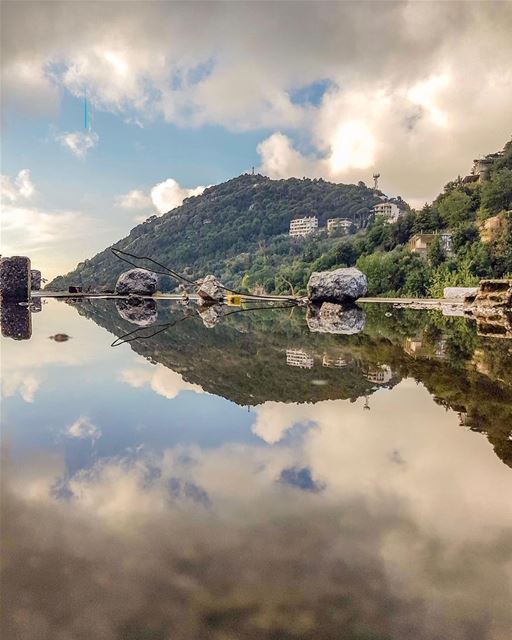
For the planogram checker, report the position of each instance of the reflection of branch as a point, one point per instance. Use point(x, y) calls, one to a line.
point(132, 335)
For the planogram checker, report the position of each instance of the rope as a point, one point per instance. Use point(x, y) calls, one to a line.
point(178, 276)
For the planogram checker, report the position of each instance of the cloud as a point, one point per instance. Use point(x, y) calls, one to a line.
point(163, 381)
point(21, 188)
point(79, 143)
point(399, 87)
point(22, 382)
point(37, 231)
point(83, 429)
point(135, 199)
point(169, 194)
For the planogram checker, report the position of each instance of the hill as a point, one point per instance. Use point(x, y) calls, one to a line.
point(227, 223)
point(238, 231)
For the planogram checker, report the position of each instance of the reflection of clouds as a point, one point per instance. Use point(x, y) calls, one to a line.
point(25, 363)
point(274, 419)
point(22, 382)
point(136, 548)
point(83, 428)
point(163, 381)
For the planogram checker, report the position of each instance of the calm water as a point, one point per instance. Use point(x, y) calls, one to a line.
point(255, 479)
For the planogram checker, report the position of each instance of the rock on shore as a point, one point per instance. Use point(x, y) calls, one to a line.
point(339, 286)
point(137, 281)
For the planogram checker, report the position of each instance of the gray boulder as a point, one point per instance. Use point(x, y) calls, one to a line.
point(210, 289)
point(15, 278)
point(340, 285)
point(335, 318)
point(139, 311)
point(137, 281)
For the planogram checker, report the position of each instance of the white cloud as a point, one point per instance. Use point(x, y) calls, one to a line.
point(135, 199)
point(83, 429)
point(163, 381)
point(402, 91)
point(23, 382)
point(78, 142)
point(21, 188)
point(169, 194)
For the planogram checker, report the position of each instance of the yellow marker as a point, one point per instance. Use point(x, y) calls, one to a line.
point(233, 300)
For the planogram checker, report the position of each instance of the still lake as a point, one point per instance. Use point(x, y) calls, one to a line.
point(252, 479)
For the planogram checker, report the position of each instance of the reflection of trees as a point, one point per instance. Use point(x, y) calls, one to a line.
point(244, 359)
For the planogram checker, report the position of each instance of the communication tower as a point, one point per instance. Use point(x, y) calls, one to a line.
point(376, 177)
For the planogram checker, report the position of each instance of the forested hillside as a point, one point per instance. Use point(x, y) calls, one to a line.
point(213, 232)
point(238, 231)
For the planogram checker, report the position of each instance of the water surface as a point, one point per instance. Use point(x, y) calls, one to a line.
point(253, 479)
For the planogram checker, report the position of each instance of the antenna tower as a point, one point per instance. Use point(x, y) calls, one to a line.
point(376, 177)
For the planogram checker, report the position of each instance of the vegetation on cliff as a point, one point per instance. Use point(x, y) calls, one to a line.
point(238, 231)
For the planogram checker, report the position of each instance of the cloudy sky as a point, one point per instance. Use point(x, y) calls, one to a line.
point(182, 95)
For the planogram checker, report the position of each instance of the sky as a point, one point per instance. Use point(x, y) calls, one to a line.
point(182, 95)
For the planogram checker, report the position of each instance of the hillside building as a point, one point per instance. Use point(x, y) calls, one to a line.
point(339, 223)
point(389, 210)
point(301, 227)
point(299, 358)
point(422, 242)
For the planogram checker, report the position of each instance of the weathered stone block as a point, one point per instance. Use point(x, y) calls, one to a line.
point(15, 278)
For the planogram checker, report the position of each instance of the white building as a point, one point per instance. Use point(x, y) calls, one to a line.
point(299, 358)
point(303, 226)
point(339, 223)
point(389, 210)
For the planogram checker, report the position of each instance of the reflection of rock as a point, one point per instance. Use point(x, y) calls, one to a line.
point(335, 318)
point(492, 308)
point(211, 289)
point(16, 321)
point(36, 305)
point(35, 279)
point(15, 278)
point(210, 315)
point(340, 285)
point(139, 311)
point(137, 281)
point(60, 337)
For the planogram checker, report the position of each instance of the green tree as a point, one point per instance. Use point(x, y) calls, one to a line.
point(455, 208)
point(497, 192)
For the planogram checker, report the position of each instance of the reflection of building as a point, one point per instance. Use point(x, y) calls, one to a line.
point(422, 242)
point(299, 358)
point(333, 363)
point(413, 346)
point(389, 210)
point(303, 226)
point(339, 223)
point(379, 375)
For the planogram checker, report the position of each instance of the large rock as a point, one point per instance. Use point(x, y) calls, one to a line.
point(139, 311)
point(137, 281)
point(335, 318)
point(340, 285)
point(15, 278)
point(210, 289)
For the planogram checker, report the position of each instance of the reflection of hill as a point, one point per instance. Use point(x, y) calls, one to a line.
point(251, 358)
